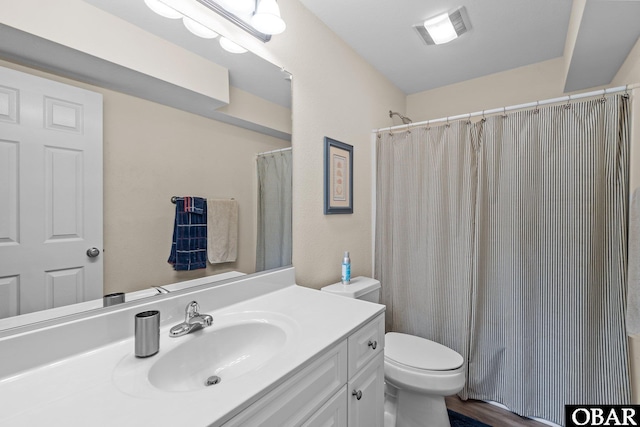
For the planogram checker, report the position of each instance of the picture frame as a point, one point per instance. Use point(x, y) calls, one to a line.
point(338, 177)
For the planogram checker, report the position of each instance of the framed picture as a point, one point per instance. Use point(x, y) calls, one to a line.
point(338, 177)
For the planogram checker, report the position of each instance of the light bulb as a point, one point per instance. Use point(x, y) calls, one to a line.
point(241, 8)
point(198, 29)
point(267, 18)
point(162, 9)
point(230, 46)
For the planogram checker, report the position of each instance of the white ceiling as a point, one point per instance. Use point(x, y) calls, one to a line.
point(505, 34)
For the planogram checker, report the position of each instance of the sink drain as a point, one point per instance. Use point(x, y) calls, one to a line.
point(212, 380)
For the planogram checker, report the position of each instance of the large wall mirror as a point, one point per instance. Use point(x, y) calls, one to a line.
point(156, 146)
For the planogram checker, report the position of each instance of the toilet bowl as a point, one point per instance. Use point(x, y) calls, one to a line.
point(418, 372)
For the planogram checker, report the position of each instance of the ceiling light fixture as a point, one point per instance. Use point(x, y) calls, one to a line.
point(445, 27)
point(230, 46)
point(198, 29)
point(240, 8)
point(260, 18)
point(254, 22)
point(162, 9)
point(267, 18)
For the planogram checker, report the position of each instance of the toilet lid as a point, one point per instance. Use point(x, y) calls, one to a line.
point(420, 353)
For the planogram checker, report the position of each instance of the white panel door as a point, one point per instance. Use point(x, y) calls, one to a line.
point(50, 193)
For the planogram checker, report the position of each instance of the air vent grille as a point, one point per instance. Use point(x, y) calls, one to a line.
point(458, 22)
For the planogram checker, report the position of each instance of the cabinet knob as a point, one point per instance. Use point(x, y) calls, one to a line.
point(373, 344)
point(357, 394)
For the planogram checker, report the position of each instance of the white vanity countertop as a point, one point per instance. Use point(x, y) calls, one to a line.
point(88, 389)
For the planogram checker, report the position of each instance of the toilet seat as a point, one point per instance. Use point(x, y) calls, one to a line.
point(420, 353)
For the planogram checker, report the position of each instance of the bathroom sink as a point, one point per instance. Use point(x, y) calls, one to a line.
point(217, 355)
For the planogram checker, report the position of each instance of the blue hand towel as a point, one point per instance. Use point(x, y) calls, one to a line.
point(189, 245)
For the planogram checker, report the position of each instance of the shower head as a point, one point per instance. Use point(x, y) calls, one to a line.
point(405, 120)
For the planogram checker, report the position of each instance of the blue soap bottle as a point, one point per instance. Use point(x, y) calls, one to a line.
point(346, 269)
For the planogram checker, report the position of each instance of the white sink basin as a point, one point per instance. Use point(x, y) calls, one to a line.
point(227, 352)
point(238, 348)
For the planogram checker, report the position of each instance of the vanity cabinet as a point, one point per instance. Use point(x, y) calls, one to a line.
point(366, 375)
point(293, 401)
point(343, 387)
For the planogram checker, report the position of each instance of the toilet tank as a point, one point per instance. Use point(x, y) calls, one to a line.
point(362, 288)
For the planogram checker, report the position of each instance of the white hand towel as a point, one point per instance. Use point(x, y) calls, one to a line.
point(633, 291)
point(222, 230)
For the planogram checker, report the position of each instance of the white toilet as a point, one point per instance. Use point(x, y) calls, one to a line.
point(418, 373)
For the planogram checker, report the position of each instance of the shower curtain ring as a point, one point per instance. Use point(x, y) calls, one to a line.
point(504, 112)
point(626, 92)
point(447, 124)
point(428, 124)
point(537, 110)
point(469, 118)
point(484, 119)
point(568, 104)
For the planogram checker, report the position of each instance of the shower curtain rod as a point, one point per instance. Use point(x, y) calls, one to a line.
point(274, 151)
point(567, 98)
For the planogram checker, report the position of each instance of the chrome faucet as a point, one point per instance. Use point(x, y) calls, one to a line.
point(192, 321)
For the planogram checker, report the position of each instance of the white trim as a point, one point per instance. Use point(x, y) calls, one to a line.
point(374, 191)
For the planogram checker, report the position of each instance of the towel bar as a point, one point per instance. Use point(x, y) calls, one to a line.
point(174, 198)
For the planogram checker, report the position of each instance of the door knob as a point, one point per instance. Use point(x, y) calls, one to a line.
point(93, 252)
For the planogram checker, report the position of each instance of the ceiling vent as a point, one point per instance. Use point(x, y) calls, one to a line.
point(443, 28)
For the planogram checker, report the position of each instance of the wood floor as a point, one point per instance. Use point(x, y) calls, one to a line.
point(489, 414)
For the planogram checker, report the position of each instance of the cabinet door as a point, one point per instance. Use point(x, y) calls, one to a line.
point(366, 395)
point(333, 413)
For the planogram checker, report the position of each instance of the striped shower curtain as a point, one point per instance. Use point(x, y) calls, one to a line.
point(543, 306)
point(274, 239)
point(426, 187)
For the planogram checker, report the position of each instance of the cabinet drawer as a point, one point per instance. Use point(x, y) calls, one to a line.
point(365, 344)
point(332, 414)
point(292, 402)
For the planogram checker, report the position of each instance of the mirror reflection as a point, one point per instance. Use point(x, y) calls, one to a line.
point(152, 152)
